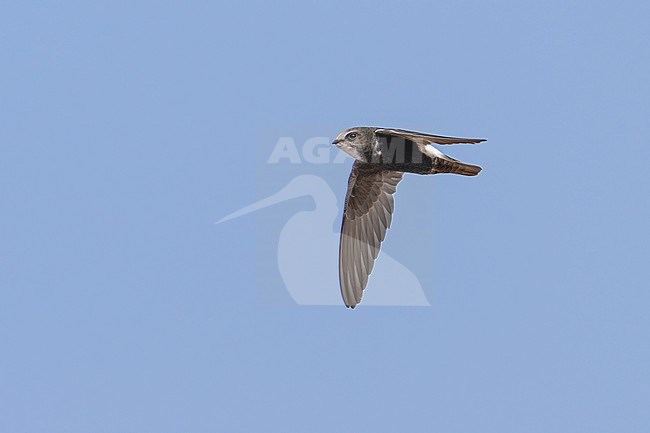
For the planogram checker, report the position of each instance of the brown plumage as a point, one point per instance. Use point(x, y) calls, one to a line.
point(382, 155)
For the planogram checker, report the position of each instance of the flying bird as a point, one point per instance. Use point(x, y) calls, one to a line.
point(382, 156)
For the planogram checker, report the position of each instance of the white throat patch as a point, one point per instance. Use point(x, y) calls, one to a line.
point(352, 151)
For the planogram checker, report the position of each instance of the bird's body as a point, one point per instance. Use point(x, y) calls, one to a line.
point(382, 156)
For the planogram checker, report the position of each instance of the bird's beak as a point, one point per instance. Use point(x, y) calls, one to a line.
point(290, 191)
point(337, 141)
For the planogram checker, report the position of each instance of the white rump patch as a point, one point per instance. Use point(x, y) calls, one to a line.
point(432, 152)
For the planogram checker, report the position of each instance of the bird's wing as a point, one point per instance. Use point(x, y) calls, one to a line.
point(422, 138)
point(366, 217)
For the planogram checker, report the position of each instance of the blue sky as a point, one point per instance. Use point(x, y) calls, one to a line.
point(129, 128)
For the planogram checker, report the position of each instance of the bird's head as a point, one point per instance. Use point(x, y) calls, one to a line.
point(355, 141)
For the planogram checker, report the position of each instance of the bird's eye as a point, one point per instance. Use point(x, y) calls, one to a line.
point(352, 135)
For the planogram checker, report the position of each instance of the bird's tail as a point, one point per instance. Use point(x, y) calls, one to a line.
point(448, 164)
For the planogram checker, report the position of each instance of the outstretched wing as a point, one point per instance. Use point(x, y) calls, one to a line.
point(366, 218)
point(422, 138)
